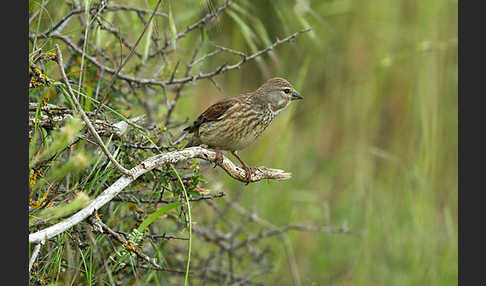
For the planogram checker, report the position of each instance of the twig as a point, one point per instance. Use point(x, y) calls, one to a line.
point(71, 13)
point(85, 41)
point(286, 241)
point(100, 225)
point(185, 79)
point(206, 56)
point(225, 68)
point(118, 35)
point(125, 60)
point(173, 103)
point(285, 228)
point(35, 254)
point(146, 166)
point(53, 108)
point(116, 7)
point(201, 198)
point(203, 21)
point(36, 13)
point(165, 235)
point(85, 117)
point(56, 116)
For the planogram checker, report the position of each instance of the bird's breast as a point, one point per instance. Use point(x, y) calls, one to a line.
point(237, 130)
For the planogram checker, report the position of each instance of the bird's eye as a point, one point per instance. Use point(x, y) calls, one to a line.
point(287, 90)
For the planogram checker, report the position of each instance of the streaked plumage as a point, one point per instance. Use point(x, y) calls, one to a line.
point(234, 123)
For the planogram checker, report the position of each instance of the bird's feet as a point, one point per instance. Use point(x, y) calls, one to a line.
point(219, 158)
point(248, 172)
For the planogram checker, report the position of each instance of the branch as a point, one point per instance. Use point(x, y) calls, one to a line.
point(35, 254)
point(99, 225)
point(116, 7)
point(200, 23)
point(149, 164)
point(245, 58)
point(85, 118)
point(56, 115)
point(185, 79)
point(165, 235)
point(156, 201)
point(71, 13)
point(51, 108)
point(285, 228)
point(125, 60)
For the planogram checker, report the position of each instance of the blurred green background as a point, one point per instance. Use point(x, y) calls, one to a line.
point(373, 145)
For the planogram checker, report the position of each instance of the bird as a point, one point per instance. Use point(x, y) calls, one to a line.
point(234, 123)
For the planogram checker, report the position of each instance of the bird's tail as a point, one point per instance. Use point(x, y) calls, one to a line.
point(189, 129)
point(192, 141)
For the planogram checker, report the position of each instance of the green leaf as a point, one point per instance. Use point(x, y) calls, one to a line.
point(246, 31)
point(59, 139)
point(62, 210)
point(87, 100)
point(148, 39)
point(204, 35)
point(173, 29)
point(151, 218)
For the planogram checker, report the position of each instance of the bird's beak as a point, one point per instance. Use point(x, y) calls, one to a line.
point(296, 95)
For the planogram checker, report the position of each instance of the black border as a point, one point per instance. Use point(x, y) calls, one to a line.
point(14, 116)
point(15, 127)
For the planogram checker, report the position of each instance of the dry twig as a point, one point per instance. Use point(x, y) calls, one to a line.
point(146, 166)
point(99, 225)
point(35, 254)
point(85, 118)
point(230, 245)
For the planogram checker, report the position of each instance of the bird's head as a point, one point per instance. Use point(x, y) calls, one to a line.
point(277, 93)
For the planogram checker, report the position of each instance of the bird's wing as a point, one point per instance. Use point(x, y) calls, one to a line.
point(213, 113)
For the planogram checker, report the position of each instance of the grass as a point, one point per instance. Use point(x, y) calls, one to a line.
point(373, 145)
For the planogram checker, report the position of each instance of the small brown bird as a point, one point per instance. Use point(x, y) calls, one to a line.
point(234, 123)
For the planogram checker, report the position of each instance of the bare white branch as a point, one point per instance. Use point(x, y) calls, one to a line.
point(174, 157)
point(35, 254)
